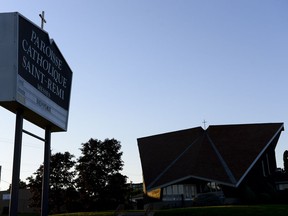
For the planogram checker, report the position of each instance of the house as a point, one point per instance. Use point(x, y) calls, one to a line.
point(221, 164)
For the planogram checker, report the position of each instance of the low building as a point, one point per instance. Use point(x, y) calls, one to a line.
point(23, 202)
point(281, 180)
point(222, 164)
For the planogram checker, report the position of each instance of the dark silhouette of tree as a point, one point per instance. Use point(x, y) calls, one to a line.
point(100, 161)
point(285, 160)
point(22, 185)
point(116, 192)
point(35, 186)
point(61, 182)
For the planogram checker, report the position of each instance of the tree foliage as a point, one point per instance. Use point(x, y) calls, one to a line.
point(99, 162)
point(35, 186)
point(116, 192)
point(91, 183)
point(61, 180)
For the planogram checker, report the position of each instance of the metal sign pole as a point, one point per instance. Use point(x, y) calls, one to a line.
point(13, 211)
point(45, 181)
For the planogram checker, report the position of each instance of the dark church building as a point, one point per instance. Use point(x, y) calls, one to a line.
point(220, 165)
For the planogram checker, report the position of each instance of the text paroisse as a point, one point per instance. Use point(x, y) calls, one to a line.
point(44, 65)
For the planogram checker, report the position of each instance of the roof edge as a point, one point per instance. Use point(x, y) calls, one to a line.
point(260, 154)
point(173, 162)
point(170, 132)
point(240, 124)
point(222, 161)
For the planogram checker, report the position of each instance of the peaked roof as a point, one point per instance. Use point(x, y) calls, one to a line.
point(223, 153)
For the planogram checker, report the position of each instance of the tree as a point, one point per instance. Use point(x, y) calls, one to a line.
point(116, 192)
point(61, 182)
point(22, 185)
point(35, 186)
point(99, 161)
point(285, 160)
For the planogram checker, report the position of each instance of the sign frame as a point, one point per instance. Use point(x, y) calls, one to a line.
point(34, 75)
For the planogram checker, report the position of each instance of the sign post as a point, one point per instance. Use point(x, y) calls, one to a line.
point(35, 84)
point(45, 182)
point(16, 164)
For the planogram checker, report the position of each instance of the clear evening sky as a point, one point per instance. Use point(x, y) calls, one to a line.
point(144, 67)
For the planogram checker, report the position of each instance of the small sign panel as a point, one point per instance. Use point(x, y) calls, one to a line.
point(42, 76)
point(6, 197)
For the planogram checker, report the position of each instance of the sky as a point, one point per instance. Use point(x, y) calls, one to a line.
point(144, 67)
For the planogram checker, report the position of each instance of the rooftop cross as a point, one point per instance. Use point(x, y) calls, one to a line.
point(42, 20)
point(204, 122)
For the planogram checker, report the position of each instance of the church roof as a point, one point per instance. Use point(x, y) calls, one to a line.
point(222, 153)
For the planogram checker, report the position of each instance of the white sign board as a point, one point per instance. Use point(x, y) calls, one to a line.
point(34, 75)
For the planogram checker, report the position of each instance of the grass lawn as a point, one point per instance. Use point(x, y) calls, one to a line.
point(258, 210)
point(108, 213)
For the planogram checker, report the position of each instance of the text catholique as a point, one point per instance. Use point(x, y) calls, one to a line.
point(44, 65)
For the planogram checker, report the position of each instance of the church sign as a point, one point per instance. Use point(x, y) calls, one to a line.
point(34, 75)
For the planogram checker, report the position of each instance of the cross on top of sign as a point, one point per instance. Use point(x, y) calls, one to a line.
point(42, 19)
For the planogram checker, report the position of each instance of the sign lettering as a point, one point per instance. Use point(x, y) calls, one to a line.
point(42, 65)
